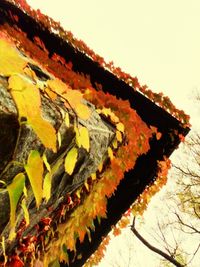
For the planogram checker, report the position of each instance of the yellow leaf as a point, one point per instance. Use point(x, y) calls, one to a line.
point(82, 111)
point(15, 190)
point(86, 186)
point(47, 186)
point(26, 213)
point(59, 139)
point(27, 99)
point(25, 191)
point(34, 170)
point(45, 131)
point(70, 160)
point(94, 176)
point(82, 138)
point(74, 97)
point(11, 60)
point(110, 153)
point(67, 119)
point(46, 163)
point(78, 193)
point(25, 95)
point(12, 234)
point(120, 127)
point(114, 144)
point(119, 136)
point(50, 94)
point(57, 86)
point(106, 111)
point(100, 167)
point(114, 118)
point(30, 73)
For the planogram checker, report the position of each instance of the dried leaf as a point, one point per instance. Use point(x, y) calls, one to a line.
point(34, 169)
point(70, 160)
point(15, 190)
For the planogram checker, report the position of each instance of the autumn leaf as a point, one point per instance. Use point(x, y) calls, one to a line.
point(45, 131)
point(15, 190)
point(74, 97)
point(110, 153)
point(120, 127)
point(27, 99)
point(11, 60)
point(67, 122)
point(82, 137)
point(70, 160)
point(26, 213)
point(34, 170)
point(57, 86)
point(25, 95)
point(46, 163)
point(47, 186)
point(93, 176)
point(119, 136)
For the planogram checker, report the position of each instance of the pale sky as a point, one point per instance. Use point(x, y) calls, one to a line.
point(156, 40)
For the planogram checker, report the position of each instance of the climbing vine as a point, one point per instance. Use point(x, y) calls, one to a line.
point(73, 220)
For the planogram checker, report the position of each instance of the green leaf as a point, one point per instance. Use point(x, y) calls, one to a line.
point(70, 160)
point(15, 190)
point(34, 169)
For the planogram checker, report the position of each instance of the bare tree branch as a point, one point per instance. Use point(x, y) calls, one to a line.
point(195, 230)
point(154, 249)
